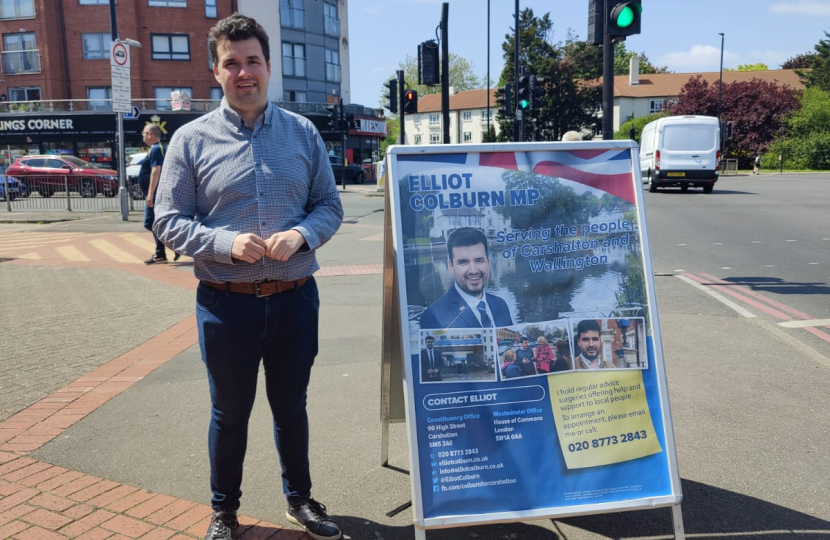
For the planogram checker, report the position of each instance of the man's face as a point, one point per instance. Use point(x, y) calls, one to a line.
point(589, 344)
point(525, 344)
point(429, 343)
point(471, 268)
point(149, 137)
point(243, 74)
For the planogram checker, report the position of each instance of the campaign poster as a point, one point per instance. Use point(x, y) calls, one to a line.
point(532, 379)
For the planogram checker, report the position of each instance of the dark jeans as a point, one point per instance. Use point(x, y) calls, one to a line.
point(149, 218)
point(236, 331)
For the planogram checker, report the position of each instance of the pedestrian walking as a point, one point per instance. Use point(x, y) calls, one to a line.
point(148, 179)
point(249, 193)
point(757, 169)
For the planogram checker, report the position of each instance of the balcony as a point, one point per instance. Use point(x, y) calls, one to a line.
point(21, 62)
point(292, 18)
point(333, 72)
point(331, 26)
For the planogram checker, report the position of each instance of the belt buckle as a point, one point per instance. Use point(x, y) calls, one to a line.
point(257, 290)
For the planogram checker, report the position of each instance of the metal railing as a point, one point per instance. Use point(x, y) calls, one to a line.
point(20, 62)
point(58, 193)
point(728, 166)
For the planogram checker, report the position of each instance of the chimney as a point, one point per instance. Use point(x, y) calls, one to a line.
point(634, 71)
point(453, 90)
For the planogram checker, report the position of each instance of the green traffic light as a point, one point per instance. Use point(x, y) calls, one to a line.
point(625, 18)
point(524, 103)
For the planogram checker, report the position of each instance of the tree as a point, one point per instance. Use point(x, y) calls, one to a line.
point(800, 61)
point(819, 73)
point(622, 61)
point(760, 66)
point(462, 76)
point(756, 109)
point(639, 123)
point(806, 143)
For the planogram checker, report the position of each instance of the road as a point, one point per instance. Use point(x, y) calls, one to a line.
point(748, 396)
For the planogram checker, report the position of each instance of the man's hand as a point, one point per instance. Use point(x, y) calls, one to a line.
point(282, 245)
point(150, 199)
point(248, 248)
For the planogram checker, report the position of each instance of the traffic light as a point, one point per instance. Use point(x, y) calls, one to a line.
point(537, 90)
point(596, 14)
point(729, 130)
point(428, 72)
point(504, 99)
point(410, 102)
point(391, 97)
point(623, 18)
point(523, 93)
point(332, 122)
point(351, 123)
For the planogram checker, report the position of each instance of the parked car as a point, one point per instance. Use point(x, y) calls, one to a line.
point(132, 170)
point(354, 173)
point(51, 174)
point(16, 188)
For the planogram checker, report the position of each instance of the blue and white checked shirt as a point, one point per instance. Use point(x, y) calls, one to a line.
point(221, 178)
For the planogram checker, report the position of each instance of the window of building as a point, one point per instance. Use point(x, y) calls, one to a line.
point(655, 105)
point(468, 136)
point(292, 14)
point(24, 93)
point(293, 59)
point(216, 94)
point(167, 3)
point(332, 66)
point(97, 46)
point(95, 2)
point(21, 54)
point(434, 138)
point(170, 46)
point(331, 24)
point(417, 138)
point(17, 9)
point(210, 9)
point(433, 120)
point(295, 96)
point(417, 119)
point(100, 97)
point(466, 116)
point(162, 95)
point(484, 114)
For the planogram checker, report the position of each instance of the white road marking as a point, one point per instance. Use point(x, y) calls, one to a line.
point(718, 244)
point(726, 268)
point(769, 266)
point(719, 297)
point(756, 241)
point(681, 244)
point(792, 240)
point(805, 323)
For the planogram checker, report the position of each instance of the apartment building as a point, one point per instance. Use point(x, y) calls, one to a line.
point(55, 61)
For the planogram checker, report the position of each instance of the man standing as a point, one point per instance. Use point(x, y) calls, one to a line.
point(430, 362)
point(589, 345)
point(525, 357)
point(148, 179)
point(466, 305)
point(248, 192)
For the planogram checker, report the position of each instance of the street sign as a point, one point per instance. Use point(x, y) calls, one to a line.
point(120, 70)
point(133, 114)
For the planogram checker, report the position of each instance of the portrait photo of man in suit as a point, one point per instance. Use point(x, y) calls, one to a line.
point(466, 304)
point(431, 362)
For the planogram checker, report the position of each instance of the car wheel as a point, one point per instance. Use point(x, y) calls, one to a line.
point(87, 190)
point(359, 178)
point(135, 192)
point(652, 187)
point(708, 188)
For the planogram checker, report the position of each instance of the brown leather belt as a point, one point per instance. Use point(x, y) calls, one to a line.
point(259, 288)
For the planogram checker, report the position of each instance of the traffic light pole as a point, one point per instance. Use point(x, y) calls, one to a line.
point(341, 124)
point(401, 112)
point(518, 131)
point(607, 86)
point(445, 71)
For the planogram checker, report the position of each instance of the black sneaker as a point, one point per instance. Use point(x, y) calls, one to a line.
point(221, 526)
point(155, 259)
point(177, 256)
point(311, 515)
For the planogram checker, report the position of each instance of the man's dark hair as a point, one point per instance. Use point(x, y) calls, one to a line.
point(466, 236)
point(429, 338)
point(524, 338)
point(237, 27)
point(587, 325)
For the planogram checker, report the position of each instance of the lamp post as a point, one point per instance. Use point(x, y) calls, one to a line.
point(720, 88)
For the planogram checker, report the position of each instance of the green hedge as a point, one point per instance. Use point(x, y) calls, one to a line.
point(811, 152)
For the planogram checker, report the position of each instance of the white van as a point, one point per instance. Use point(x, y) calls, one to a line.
point(681, 151)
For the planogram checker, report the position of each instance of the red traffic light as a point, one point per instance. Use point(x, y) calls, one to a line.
point(410, 102)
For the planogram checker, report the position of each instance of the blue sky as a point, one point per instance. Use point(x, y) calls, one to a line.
point(674, 34)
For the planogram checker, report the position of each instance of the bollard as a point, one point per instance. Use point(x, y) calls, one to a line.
point(66, 189)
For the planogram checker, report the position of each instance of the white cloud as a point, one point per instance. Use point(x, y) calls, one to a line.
point(698, 58)
point(802, 7)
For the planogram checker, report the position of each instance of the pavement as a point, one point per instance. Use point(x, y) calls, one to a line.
point(104, 404)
